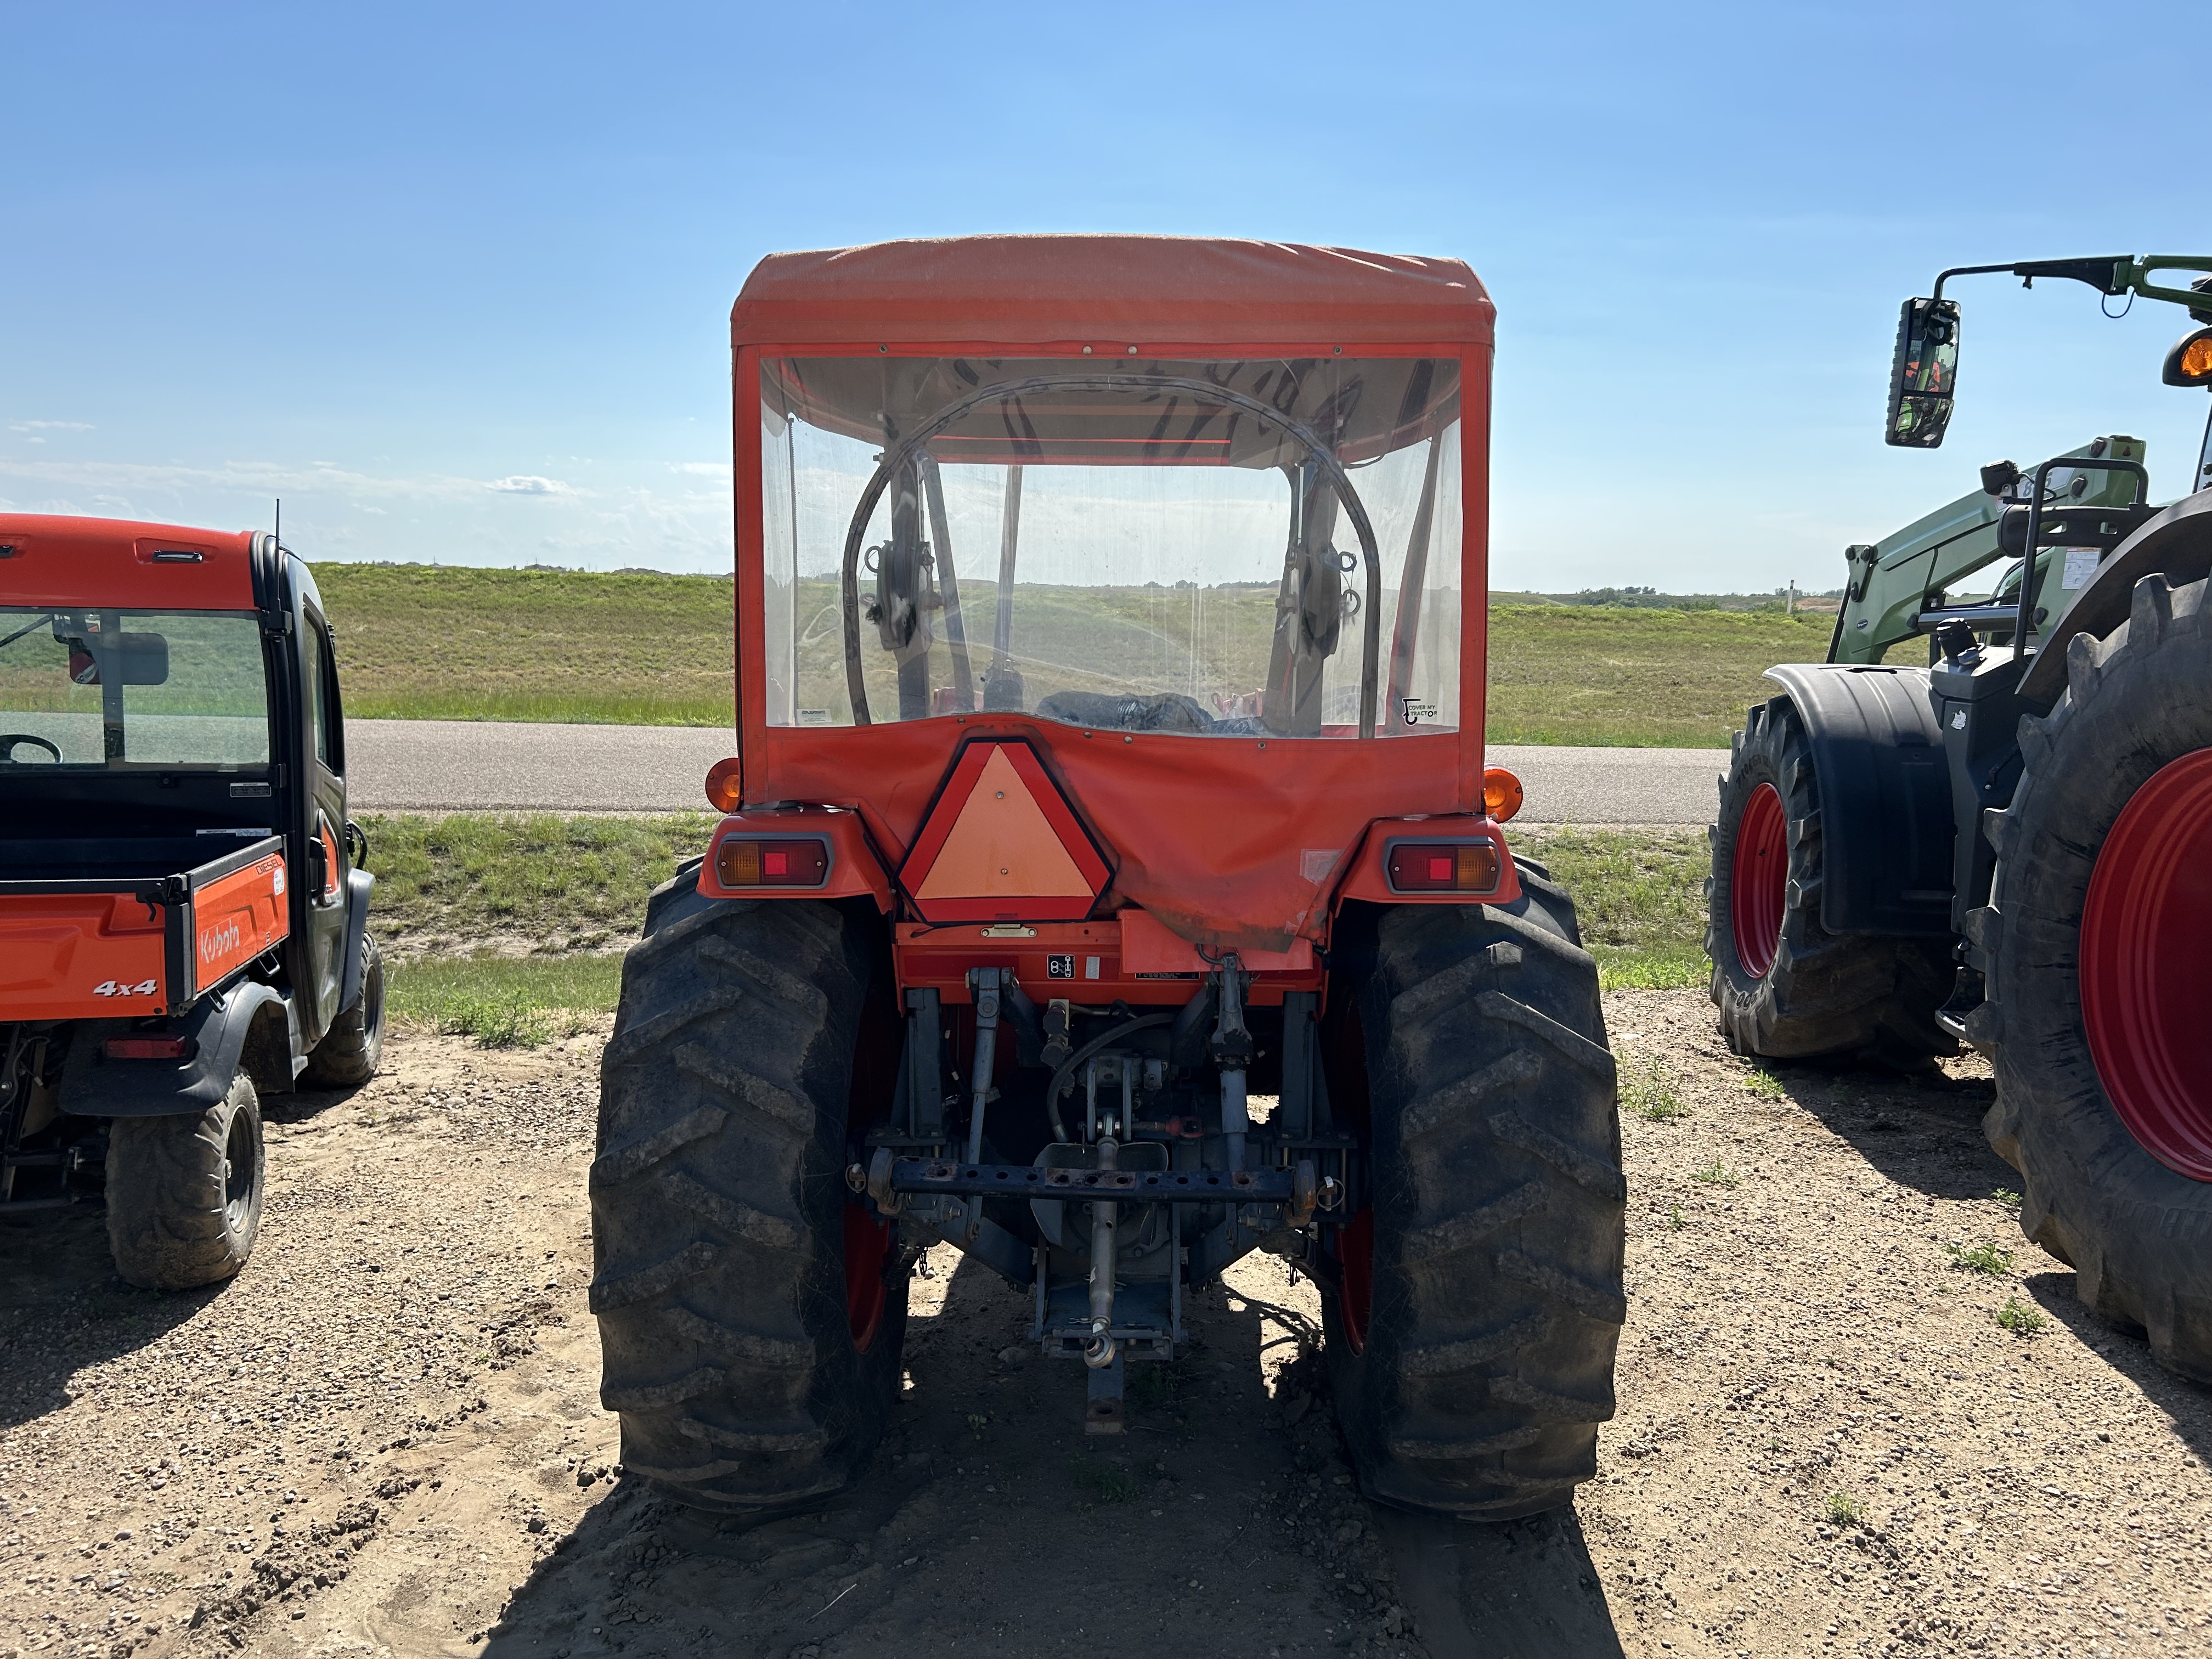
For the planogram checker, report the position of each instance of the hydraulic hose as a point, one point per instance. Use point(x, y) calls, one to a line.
point(1067, 1067)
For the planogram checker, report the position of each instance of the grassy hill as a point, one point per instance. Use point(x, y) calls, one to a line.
point(418, 642)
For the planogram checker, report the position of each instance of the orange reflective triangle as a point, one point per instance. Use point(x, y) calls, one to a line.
point(1002, 846)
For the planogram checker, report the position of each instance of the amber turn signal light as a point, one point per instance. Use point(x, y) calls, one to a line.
point(746, 861)
point(1501, 792)
point(724, 784)
point(1442, 867)
point(2189, 363)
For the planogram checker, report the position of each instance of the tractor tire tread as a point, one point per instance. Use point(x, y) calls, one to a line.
point(351, 1050)
point(1498, 1211)
point(168, 1223)
point(2137, 1234)
point(718, 1206)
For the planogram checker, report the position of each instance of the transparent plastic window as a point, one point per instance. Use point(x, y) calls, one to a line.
point(125, 688)
point(1140, 544)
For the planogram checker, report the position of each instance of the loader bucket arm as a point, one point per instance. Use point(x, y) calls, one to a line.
point(1891, 581)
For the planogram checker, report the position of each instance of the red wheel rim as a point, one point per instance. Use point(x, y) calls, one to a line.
point(868, 1246)
point(1758, 879)
point(1355, 1285)
point(2147, 966)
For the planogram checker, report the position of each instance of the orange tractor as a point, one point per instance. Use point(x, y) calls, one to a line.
point(1111, 885)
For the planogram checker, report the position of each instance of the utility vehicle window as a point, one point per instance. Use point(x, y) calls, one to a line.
point(131, 688)
point(1133, 545)
point(312, 676)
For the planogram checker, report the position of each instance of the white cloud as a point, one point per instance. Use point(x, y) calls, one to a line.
point(340, 511)
point(702, 468)
point(50, 426)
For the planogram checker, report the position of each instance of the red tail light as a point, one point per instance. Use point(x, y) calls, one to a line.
point(1442, 867)
point(749, 862)
point(147, 1048)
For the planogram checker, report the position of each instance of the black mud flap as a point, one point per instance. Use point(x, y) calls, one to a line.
point(215, 1029)
point(1886, 821)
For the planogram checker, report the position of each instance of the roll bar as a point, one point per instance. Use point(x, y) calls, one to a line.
point(897, 456)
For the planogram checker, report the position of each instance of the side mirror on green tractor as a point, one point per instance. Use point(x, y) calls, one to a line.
point(1922, 373)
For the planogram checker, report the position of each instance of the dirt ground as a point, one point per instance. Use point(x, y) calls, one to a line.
point(384, 1438)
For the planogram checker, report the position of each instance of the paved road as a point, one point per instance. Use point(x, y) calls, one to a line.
point(495, 766)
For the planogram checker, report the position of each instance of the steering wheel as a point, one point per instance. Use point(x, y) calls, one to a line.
point(10, 739)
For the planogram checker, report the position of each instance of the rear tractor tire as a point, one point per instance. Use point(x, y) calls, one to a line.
point(2098, 974)
point(1471, 1334)
point(184, 1192)
point(750, 1313)
point(1786, 987)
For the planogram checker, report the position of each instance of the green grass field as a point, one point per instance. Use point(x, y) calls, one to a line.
point(1659, 679)
point(416, 643)
point(558, 897)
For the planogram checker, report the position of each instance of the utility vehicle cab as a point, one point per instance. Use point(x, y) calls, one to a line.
point(182, 904)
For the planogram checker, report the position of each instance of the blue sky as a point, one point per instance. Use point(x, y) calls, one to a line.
point(454, 280)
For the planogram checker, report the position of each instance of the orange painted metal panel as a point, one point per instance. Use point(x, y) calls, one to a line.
point(1147, 947)
point(77, 563)
point(81, 956)
point(237, 917)
point(1081, 961)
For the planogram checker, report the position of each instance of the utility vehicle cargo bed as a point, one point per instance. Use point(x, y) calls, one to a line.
point(109, 929)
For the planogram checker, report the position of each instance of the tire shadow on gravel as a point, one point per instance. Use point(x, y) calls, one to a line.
point(1520, 1588)
point(298, 1106)
point(989, 1523)
point(63, 1307)
point(2186, 1405)
point(1919, 1130)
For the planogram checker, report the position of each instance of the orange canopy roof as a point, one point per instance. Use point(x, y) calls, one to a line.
point(1124, 289)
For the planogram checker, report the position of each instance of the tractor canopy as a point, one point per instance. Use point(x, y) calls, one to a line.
point(1068, 486)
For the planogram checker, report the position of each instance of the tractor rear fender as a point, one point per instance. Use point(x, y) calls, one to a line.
point(2176, 543)
point(359, 884)
point(218, 1029)
point(854, 868)
point(1886, 821)
point(1367, 874)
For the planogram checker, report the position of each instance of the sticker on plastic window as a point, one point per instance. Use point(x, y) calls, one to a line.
point(2081, 563)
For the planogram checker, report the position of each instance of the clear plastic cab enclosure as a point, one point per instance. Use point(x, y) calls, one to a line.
point(1201, 521)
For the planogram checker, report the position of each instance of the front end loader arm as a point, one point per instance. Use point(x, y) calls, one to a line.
point(1890, 582)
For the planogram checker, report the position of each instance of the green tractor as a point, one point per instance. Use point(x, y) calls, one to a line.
point(2010, 846)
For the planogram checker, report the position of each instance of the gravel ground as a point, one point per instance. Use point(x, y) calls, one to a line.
point(383, 1438)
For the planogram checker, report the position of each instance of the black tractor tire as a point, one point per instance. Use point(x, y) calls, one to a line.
point(719, 1211)
point(1823, 995)
point(351, 1049)
point(185, 1192)
point(2137, 1233)
point(1498, 1208)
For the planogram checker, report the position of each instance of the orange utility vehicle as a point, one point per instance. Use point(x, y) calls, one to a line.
point(1111, 886)
point(183, 913)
